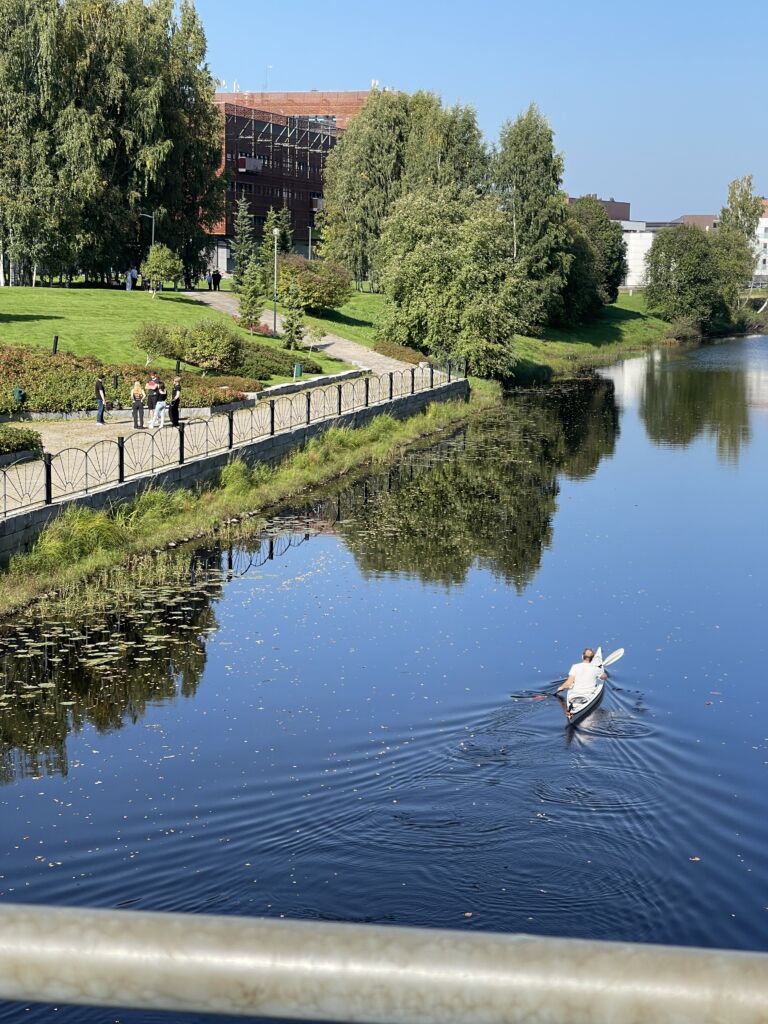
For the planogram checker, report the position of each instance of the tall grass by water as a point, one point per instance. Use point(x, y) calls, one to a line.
point(84, 541)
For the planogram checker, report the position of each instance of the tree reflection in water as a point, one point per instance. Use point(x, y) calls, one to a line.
point(102, 655)
point(488, 496)
point(680, 402)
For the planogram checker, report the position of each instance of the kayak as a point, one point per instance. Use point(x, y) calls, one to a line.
point(580, 706)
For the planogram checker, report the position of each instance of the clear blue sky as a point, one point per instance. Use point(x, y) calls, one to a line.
point(660, 103)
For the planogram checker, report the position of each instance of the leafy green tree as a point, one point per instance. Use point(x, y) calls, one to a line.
point(214, 345)
point(161, 265)
point(734, 258)
point(682, 280)
point(448, 277)
point(397, 143)
point(294, 326)
point(283, 224)
point(252, 296)
point(322, 284)
point(527, 172)
point(243, 243)
point(743, 209)
point(608, 245)
point(580, 300)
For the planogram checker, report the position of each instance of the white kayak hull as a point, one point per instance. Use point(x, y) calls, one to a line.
point(579, 707)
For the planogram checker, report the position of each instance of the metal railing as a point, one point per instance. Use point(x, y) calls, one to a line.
point(73, 471)
point(311, 970)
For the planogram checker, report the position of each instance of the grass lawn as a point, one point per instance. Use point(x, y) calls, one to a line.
point(355, 321)
point(101, 322)
point(624, 329)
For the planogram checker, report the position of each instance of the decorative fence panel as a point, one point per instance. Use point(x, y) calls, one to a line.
point(77, 471)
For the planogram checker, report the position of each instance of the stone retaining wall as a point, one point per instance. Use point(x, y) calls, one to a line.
point(17, 532)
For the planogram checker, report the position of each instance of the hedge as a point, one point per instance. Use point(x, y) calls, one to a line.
point(67, 383)
point(263, 361)
point(396, 351)
point(19, 439)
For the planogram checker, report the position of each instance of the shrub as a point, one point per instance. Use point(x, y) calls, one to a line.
point(402, 352)
point(320, 284)
point(19, 439)
point(263, 361)
point(156, 340)
point(213, 345)
point(66, 383)
point(685, 329)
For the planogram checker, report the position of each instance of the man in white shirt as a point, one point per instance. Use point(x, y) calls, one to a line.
point(583, 676)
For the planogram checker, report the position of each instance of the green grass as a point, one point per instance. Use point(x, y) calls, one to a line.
point(355, 321)
point(101, 322)
point(625, 328)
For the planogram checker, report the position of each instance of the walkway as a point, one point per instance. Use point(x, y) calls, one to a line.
point(331, 345)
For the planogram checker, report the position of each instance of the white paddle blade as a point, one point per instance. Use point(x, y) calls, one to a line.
point(613, 657)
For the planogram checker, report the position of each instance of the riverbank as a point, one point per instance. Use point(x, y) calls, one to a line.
point(83, 541)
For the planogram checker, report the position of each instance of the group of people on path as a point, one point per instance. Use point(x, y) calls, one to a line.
point(155, 393)
point(213, 280)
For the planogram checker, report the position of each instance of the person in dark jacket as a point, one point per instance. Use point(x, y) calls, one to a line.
point(101, 401)
point(175, 401)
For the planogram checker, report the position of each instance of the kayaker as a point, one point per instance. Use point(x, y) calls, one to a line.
point(583, 676)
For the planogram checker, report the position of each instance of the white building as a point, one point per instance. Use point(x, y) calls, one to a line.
point(638, 239)
point(761, 247)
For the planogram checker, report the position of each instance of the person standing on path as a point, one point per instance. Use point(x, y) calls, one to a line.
point(209, 280)
point(101, 401)
point(162, 404)
point(175, 401)
point(137, 405)
point(152, 393)
point(128, 280)
point(216, 278)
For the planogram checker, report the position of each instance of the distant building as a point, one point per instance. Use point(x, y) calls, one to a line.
point(273, 154)
point(614, 209)
point(761, 248)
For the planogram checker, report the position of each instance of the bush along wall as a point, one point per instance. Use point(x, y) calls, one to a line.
point(33, 380)
point(19, 439)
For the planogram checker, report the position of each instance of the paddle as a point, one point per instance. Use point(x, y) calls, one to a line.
point(612, 658)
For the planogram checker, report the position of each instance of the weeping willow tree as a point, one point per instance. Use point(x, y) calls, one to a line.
point(106, 113)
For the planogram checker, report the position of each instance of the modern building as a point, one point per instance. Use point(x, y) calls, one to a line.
point(274, 150)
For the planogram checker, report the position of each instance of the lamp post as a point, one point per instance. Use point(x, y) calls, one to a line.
point(275, 235)
point(150, 216)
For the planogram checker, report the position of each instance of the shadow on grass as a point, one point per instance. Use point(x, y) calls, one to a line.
point(15, 318)
point(334, 317)
point(611, 327)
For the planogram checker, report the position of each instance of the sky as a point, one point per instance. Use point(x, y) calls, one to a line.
point(659, 104)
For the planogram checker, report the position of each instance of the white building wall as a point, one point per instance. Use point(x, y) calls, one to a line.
point(638, 244)
point(761, 248)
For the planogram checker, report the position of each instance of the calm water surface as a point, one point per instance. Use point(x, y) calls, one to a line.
point(337, 718)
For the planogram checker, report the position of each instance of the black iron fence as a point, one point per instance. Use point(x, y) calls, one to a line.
point(73, 471)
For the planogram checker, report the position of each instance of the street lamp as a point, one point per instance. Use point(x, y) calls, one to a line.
point(275, 235)
point(150, 216)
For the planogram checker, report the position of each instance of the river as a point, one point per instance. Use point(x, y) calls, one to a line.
point(344, 717)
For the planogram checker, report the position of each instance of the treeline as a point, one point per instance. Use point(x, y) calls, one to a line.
point(697, 279)
point(106, 113)
point(469, 245)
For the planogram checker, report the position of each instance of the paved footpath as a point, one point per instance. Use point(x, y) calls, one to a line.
point(331, 345)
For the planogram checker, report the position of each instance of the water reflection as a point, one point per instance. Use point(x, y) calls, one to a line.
point(711, 392)
point(101, 656)
point(489, 496)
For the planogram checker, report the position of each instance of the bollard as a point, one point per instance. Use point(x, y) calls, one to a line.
point(47, 467)
point(55, 347)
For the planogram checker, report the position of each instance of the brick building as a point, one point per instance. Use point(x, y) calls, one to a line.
point(274, 155)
